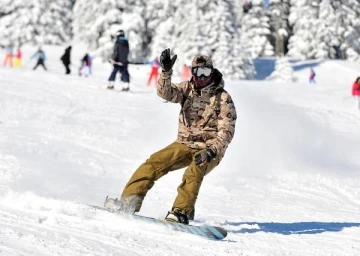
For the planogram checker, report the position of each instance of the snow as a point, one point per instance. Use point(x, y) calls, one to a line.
point(288, 184)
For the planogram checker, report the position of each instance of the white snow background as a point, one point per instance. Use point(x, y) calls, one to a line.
point(288, 184)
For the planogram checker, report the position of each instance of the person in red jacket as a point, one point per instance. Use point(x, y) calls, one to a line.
point(155, 64)
point(312, 76)
point(18, 56)
point(356, 91)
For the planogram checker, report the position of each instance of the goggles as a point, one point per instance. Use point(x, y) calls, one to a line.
point(198, 71)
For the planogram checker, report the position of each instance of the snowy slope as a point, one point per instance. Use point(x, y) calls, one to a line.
point(288, 185)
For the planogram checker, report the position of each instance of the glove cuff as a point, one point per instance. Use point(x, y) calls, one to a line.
point(166, 74)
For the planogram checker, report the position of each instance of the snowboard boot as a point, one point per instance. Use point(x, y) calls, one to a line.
point(176, 216)
point(126, 205)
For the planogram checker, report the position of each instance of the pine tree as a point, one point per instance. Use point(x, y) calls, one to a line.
point(283, 71)
point(98, 32)
point(256, 29)
point(280, 29)
point(347, 15)
point(135, 26)
point(159, 26)
point(35, 21)
point(209, 28)
point(326, 36)
point(304, 19)
point(228, 52)
point(192, 31)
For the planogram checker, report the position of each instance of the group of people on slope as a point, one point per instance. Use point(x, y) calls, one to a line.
point(355, 91)
point(12, 59)
point(85, 67)
point(15, 60)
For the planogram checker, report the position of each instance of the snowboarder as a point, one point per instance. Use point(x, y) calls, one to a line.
point(312, 76)
point(155, 64)
point(66, 60)
point(8, 56)
point(40, 54)
point(85, 65)
point(206, 127)
point(356, 91)
point(119, 59)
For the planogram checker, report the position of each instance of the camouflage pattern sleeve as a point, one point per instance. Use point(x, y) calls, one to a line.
point(226, 124)
point(170, 91)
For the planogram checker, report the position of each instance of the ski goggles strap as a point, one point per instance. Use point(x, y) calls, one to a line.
point(198, 71)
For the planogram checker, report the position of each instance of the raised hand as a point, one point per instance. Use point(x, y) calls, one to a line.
point(165, 61)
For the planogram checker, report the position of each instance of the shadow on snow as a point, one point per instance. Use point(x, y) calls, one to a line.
point(302, 65)
point(290, 228)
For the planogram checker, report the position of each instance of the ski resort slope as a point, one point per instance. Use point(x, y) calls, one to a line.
point(288, 184)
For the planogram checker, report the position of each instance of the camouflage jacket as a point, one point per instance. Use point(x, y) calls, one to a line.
point(207, 116)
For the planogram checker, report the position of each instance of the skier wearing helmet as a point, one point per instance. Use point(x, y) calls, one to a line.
point(119, 59)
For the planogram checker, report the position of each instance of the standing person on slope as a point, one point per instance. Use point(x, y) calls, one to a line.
point(356, 91)
point(312, 76)
point(206, 127)
point(155, 64)
point(40, 54)
point(119, 59)
point(18, 56)
point(9, 54)
point(66, 60)
point(85, 66)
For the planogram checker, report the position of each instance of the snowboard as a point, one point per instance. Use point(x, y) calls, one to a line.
point(205, 231)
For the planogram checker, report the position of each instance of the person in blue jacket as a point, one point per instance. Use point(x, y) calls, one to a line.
point(40, 54)
point(119, 59)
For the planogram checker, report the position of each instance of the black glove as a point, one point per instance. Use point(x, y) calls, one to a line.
point(165, 61)
point(204, 156)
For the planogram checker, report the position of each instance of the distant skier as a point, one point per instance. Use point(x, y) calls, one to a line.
point(85, 65)
point(9, 54)
point(66, 60)
point(356, 91)
point(312, 76)
point(18, 57)
point(155, 64)
point(40, 55)
point(119, 59)
point(206, 127)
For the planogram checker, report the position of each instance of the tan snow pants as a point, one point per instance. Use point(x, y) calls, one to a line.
point(173, 157)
